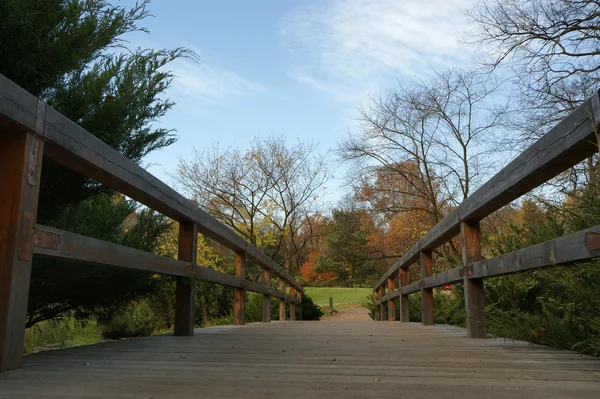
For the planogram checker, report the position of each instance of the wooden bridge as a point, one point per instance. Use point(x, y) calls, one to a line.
point(284, 358)
point(307, 360)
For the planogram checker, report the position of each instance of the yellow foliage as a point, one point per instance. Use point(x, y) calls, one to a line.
point(206, 255)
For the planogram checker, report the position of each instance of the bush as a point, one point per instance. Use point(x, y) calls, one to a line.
point(310, 311)
point(448, 306)
point(136, 319)
point(254, 302)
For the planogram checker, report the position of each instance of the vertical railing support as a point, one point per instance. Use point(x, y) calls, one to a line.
point(292, 304)
point(282, 301)
point(21, 165)
point(377, 309)
point(185, 292)
point(404, 315)
point(474, 292)
point(426, 263)
point(299, 310)
point(382, 307)
point(239, 294)
point(266, 305)
point(391, 306)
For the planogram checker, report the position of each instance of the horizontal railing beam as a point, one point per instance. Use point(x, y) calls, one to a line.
point(59, 244)
point(387, 297)
point(577, 247)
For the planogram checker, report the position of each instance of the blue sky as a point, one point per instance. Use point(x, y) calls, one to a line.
point(293, 68)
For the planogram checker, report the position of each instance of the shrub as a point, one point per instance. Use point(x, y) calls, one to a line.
point(310, 311)
point(136, 319)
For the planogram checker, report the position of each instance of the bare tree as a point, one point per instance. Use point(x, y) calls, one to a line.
point(434, 137)
point(267, 194)
point(552, 48)
point(431, 140)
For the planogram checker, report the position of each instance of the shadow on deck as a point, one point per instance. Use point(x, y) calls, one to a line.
point(308, 360)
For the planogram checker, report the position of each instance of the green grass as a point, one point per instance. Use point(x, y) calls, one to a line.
point(341, 296)
point(61, 334)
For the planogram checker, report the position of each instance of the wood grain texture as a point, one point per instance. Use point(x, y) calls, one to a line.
point(383, 305)
point(239, 294)
point(474, 291)
point(266, 302)
point(21, 164)
point(562, 251)
point(390, 303)
point(282, 300)
point(348, 360)
point(426, 265)
point(78, 248)
point(292, 305)
point(377, 303)
point(185, 292)
point(299, 309)
point(404, 314)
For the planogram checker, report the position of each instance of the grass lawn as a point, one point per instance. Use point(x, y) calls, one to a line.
point(60, 334)
point(341, 296)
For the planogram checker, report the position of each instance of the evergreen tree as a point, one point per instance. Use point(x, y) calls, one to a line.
point(71, 54)
point(348, 254)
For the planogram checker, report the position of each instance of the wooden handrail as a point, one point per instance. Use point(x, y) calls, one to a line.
point(568, 143)
point(72, 146)
point(29, 129)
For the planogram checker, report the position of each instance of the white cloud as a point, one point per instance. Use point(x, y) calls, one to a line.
point(210, 83)
point(354, 43)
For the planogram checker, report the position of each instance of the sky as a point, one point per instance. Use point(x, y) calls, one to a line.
point(297, 68)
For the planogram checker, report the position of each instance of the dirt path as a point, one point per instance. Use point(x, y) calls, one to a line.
point(350, 314)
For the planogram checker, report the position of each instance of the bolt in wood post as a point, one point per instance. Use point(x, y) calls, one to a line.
point(282, 301)
point(185, 292)
point(239, 294)
point(292, 304)
point(426, 293)
point(391, 306)
point(377, 311)
point(474, 292)
point(266, 305)
point(383, 307)
point(404, 315)
point(21, 165)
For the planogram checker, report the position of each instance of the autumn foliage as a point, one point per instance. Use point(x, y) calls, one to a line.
point(312, 277)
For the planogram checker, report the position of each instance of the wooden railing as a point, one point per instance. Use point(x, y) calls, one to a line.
point(29, 130)
point(567, 144)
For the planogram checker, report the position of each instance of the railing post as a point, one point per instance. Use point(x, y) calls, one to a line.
point(299, 310)
point(282, 301)
point(21, 165)
point(377, 309)
point(266, 305)
point(474, 292)
point(239, 294)
point(292, 304)
point(382, 307)
point(185, 292)
point(404, 314)
point(426, 262)
point(391, 305)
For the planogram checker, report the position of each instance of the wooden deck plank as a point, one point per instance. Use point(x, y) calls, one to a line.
point(308, 360)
